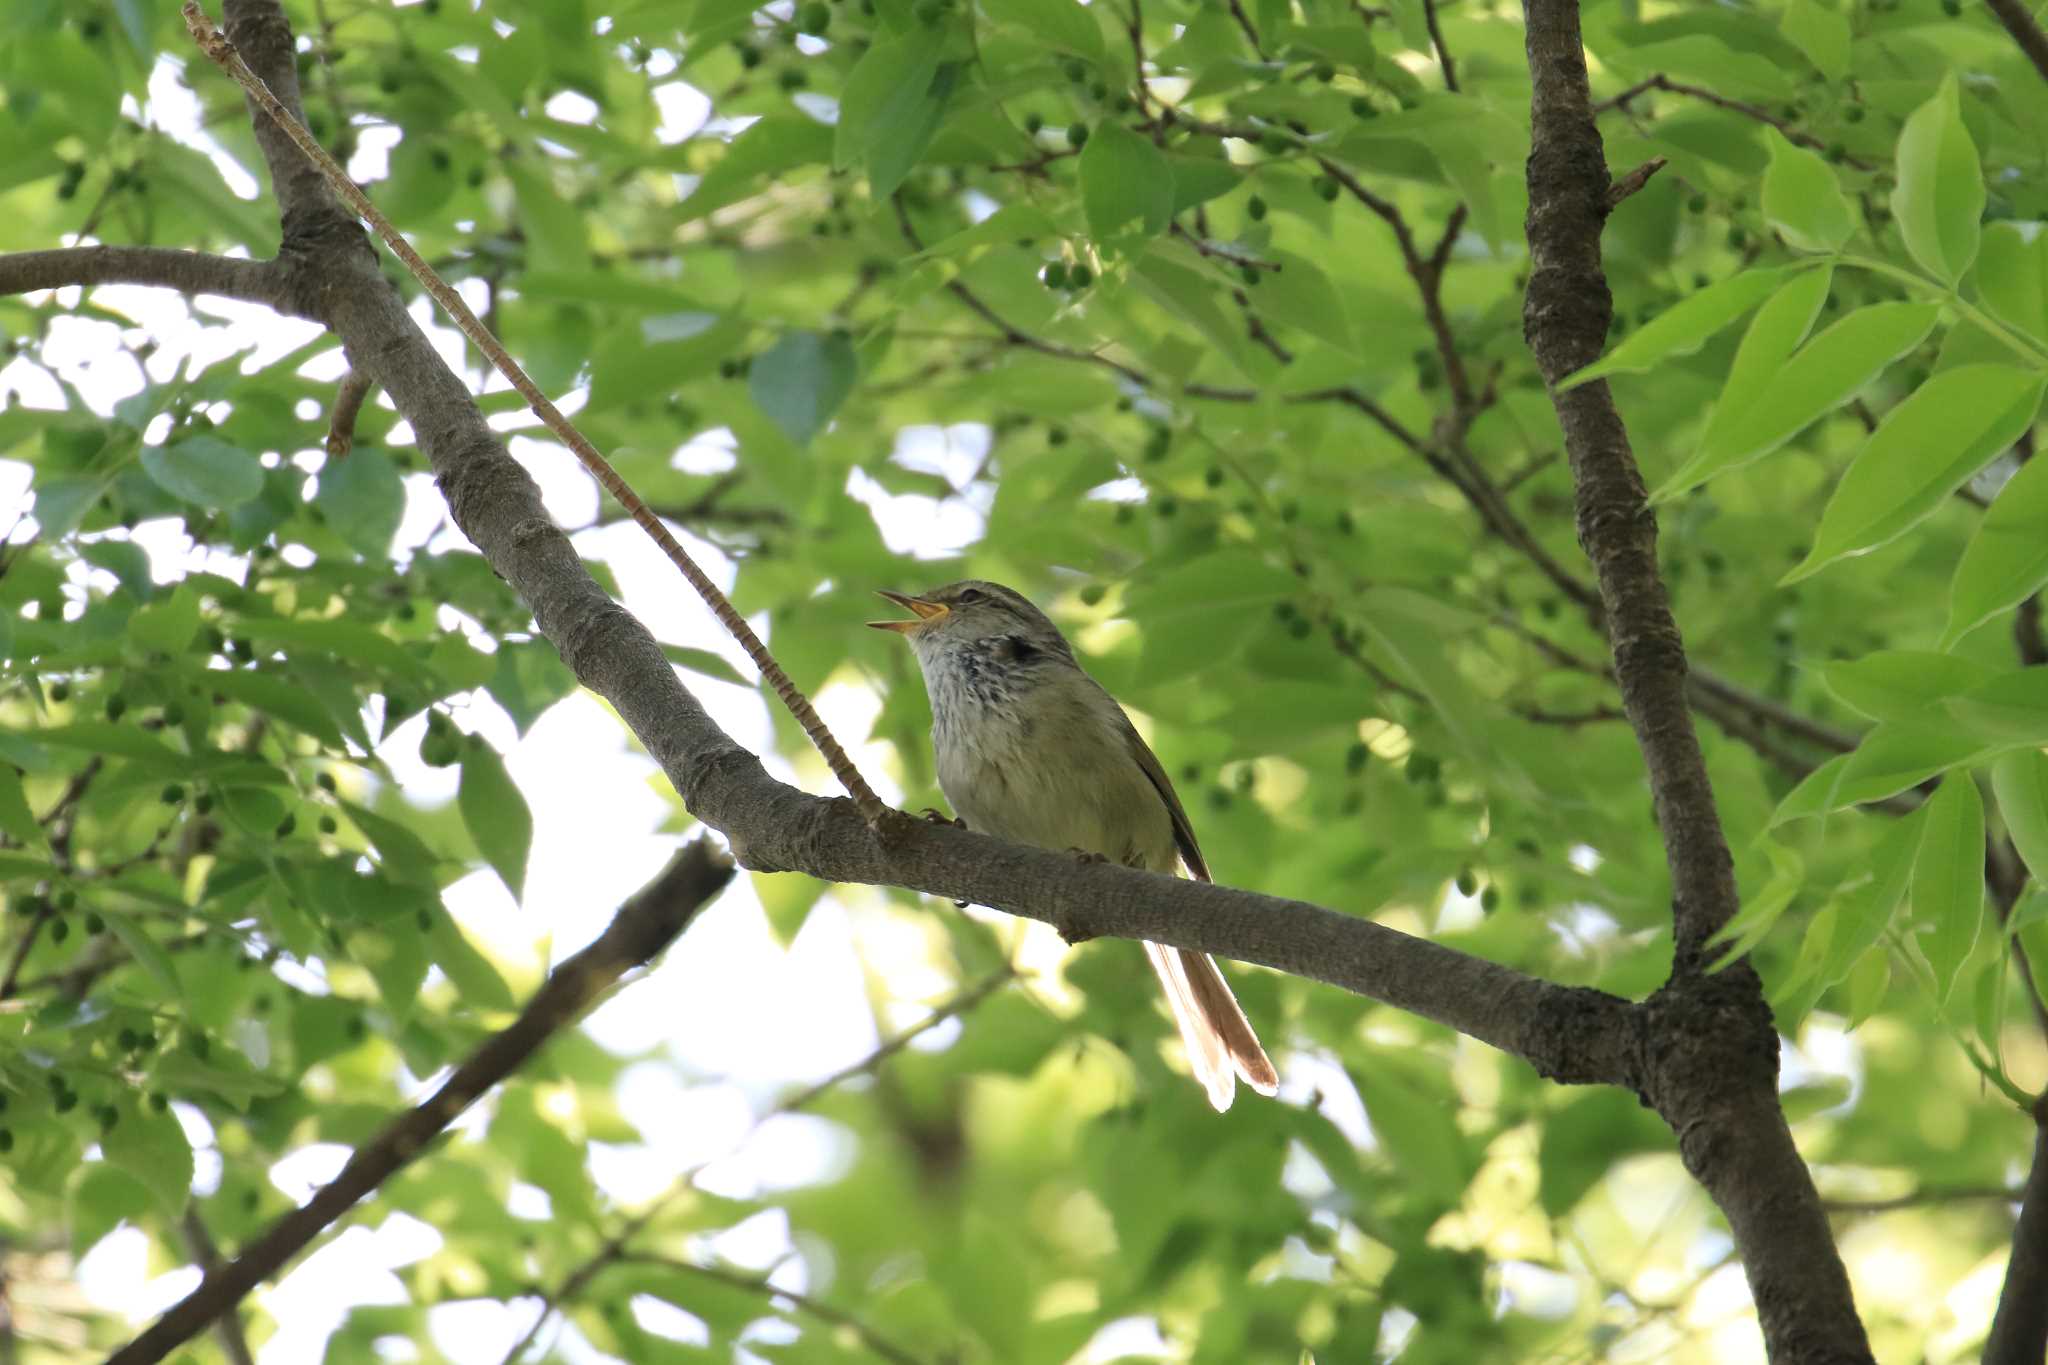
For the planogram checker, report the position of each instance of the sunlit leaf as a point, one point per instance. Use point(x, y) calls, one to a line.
point(1926, 448)
point(1948, 879)
point(1940, 196)
point(496, 814)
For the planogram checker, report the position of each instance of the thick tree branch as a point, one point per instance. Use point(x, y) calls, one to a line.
point(2019, 1330)
point(643, 927)
point(1569, 1034)
point(307, 208)
point(1710, 1051)
point(188, 272)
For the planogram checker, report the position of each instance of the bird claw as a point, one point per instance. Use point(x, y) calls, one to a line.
point(936, 817)
point(1082, 855)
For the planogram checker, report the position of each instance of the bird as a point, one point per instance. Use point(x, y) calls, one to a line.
point(1031, 749)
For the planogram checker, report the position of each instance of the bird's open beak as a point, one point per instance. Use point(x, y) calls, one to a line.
point(924, 611)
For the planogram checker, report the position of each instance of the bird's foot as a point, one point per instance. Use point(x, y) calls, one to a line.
point(936, 817)
point(1082, 855)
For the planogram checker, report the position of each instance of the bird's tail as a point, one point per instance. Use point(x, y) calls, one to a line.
point(1219, 1039)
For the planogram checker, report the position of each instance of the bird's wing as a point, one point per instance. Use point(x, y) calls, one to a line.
point(1183, 832)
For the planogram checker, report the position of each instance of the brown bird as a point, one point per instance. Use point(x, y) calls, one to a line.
point(1032, 749)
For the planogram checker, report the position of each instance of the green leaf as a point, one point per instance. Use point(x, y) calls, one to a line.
point(151, 1146)
point(1300, 294)
point(890, 107)
point(1198, 179)
point(1760, 911)
point(1820, 33)
point(1689, 324)
point(1773, 334)
point(496, 814)
point(552, 225)
point(1865, 912)
point(776, 144)
point(2006, 561)
point(2011, 708)
point(1585, 1138)
point(167, 624)
point(1869, 979)
point(1802, 198)
point(1751, 421)
point(1948, 879)
point(530, 678)
point(363, 498)
point(1939, 201)
point(1064, 24)
point(145, 950)
point(402, 854)
point(1007, 224)
point(2020, 782)
point(1418, 1130)
point(1894, 684)
point(1925, 449)
point(17, 820)
point(276, 697)
point(361, 645)
point(2012, 277)
point(1894, 756)
point(787, 898)
point(1123, 176)
point(473, 975)
point(205, 471)
point(705, 662)
point(801, 380)
point(226, 1074)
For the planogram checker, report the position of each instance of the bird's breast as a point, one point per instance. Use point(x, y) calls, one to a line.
point(1045, 762)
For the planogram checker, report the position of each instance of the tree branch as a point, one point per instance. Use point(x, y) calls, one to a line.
point(188, 272)
point(1734, 106)
point(643, 927)
point(1711, 1052)
point(2025, 31)
point(2019, 1329)
point(1566, 1033)
point(824, 1312)
point(234, 1344)
point(615, 1246)
point(1443, 53)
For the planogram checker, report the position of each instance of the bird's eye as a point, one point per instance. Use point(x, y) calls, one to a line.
point(971, 595)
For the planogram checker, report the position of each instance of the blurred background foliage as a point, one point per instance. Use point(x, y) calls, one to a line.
point(1224, 366)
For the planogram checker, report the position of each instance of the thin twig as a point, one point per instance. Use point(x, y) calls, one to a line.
point(348, 402)
point(758, 1284)
point(1922, 1198)
point(1443, 53)
point(1734, 106)
point(1229, 255)
point(221, 51)
point(645, 926)
point(1634, 181)
point(2025, 31)
point(1244, 21)
point(615, 1246)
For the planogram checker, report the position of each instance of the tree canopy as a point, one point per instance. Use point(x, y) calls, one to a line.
point(1203, 324)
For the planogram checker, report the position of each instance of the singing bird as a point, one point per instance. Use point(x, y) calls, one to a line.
point(1032, 749)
